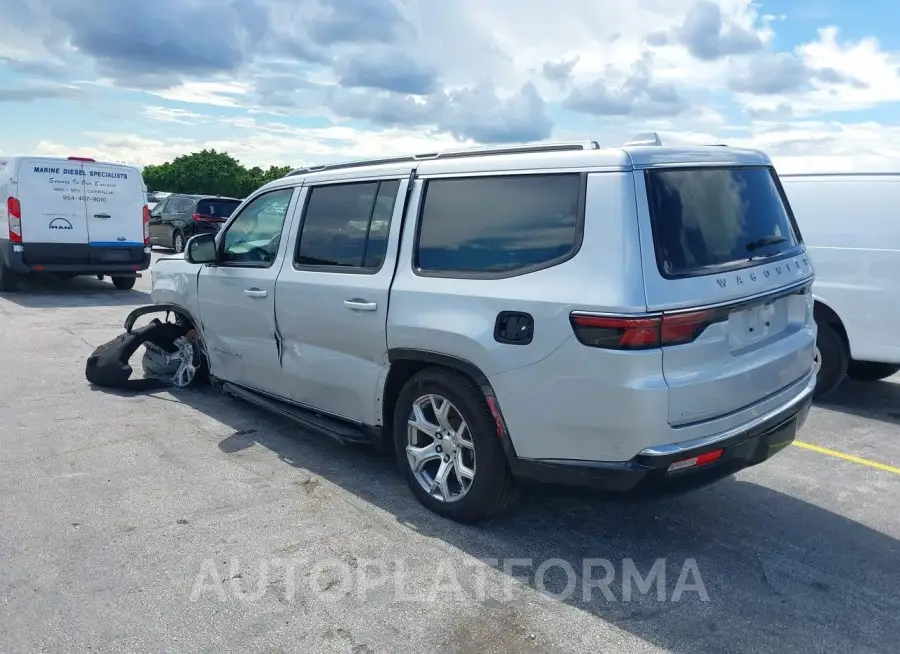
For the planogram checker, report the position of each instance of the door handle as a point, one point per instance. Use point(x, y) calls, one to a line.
point(255, 292)
point(102, 215)
point(360, 305)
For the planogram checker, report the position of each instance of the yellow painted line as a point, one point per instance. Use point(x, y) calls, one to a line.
point(847, 457)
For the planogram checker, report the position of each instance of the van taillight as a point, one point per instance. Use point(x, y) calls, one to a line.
point(641, 332)
point(146, 225)
point(14, 211)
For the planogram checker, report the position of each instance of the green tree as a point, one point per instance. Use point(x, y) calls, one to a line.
point(209, 172)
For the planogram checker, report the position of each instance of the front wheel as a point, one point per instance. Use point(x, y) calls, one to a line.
point(868, 371)
point(124, 283)
point(447, 447)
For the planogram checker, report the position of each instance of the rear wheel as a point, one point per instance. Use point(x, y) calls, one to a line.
point(9, 280)
point(178, 241)
point(447, 447)
point(832, 359)
point(124, 283)
point(871, 370)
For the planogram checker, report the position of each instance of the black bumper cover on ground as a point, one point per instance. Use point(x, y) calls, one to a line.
point(648, 476)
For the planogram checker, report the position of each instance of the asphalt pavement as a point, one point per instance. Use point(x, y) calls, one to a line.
point(183, 521)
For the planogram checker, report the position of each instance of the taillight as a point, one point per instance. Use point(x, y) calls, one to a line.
point(617, 333)
point(641, 332)
point(205, 218)
point(146, 225)
point(14, 211)
point(684, 327)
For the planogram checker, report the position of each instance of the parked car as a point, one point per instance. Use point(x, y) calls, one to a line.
point(72, 216)
point(636, 319)
point(850, 226)
point(178, 217)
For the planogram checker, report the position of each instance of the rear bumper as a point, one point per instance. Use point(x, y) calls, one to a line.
point(74, 259)
point(647, 474)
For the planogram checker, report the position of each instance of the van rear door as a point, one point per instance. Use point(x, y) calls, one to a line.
point(115, 198)
point(727, 268)
point(54, 217)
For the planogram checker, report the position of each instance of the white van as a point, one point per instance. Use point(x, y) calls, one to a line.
point(72, 216)
point(851, 225)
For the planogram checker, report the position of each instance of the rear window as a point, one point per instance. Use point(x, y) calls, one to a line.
point(499, 226)
point(708, 219)
point(217, 208)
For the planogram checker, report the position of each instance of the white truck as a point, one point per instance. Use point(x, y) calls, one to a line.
point(72, 216)
point(849, 223)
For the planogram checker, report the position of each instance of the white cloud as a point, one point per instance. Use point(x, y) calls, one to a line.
point(219, 94)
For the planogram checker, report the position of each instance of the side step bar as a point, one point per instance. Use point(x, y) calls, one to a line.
point(339, 430)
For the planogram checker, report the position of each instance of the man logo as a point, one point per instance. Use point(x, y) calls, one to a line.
point(60, 223)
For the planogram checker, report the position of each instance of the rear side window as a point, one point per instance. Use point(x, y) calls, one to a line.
point(346, 225)
point(498, 226)
point(707, 219)
point(217, 208)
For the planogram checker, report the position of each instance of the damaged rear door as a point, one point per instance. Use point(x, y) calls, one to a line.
point(237, 295)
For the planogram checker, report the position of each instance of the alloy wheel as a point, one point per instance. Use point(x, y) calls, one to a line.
point(440, 449)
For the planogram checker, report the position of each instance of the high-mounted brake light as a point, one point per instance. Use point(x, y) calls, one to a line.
point(14, 211)
point(146, 225)
point(88, 159)
point(641, 332)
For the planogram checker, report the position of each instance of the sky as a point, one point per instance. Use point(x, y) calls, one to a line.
point(814, 83)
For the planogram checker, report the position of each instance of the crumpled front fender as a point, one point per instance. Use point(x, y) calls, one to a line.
point(157, 308)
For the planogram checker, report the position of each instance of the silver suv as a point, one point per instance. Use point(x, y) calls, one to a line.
point(636, 319)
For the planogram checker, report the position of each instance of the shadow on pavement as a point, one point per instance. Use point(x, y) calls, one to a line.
point(873, 400)
point(781, 574)
point(44, 291)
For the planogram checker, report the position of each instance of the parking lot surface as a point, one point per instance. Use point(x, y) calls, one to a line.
point(183, 521)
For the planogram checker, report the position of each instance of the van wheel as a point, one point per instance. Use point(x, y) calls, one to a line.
point(832, 359)
point(124, 283)
point(178, 241)
point(9, 280)
point(871, 370)
point(447, 447)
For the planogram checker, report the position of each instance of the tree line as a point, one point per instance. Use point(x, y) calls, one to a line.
point(209, 173)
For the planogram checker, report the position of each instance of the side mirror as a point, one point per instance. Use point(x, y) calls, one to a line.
point(201, 249)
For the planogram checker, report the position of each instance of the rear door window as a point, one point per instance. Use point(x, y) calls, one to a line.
point(705, 220)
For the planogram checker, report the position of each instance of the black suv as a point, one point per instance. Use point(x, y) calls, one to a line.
point(178, 217)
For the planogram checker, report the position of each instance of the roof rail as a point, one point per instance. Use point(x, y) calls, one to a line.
point(644, 138)
point(528, 148)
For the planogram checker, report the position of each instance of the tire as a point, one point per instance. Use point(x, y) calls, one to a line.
point(178, 241)
point(869, 371)
point(492, 488)
point(124, 283)
point(9, 280)
point(833, 359)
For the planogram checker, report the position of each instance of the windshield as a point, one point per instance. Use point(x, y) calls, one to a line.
point(705, 219)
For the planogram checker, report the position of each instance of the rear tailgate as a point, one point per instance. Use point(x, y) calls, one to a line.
point(115, 200)
point(51, 196)
point(728, 265)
